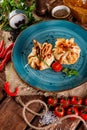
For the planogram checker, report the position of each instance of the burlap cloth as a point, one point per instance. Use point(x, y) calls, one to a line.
point(25, 89)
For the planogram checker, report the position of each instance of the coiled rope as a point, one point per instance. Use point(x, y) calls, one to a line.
point(50, 126)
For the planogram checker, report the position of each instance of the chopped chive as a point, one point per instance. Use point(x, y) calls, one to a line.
point(43, 61)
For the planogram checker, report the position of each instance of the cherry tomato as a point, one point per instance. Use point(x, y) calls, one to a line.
point(83, 113)
point(65, 102)
point(59, 111)
point(72, 110)
point(76, 100)
point(56, 66)
point(52, 101)
point(85, 101)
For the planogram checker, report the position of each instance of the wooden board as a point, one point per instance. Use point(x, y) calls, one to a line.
point(11, 114)
point(2, 80)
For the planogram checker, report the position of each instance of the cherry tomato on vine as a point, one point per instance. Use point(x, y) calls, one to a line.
point(56, 66)
point(52, 101)
point(59, 111)
point(83, 113)
point(65, 102)
point(85, 101)
point(75, 100)
point(73, 110)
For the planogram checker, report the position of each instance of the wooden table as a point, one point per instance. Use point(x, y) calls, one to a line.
point(11, 112)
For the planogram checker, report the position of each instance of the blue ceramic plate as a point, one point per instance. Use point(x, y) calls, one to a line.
point(48, 80)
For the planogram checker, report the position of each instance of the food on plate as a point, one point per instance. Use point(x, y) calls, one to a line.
point(66, 51)
point(41, 56)
point(44, 56)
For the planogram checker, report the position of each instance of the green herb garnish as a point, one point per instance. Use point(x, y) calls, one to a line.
point(6, 6)
point(70, 72)
point(41, 59)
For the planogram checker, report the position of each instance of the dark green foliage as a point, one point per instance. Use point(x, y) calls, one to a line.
point(6, 6)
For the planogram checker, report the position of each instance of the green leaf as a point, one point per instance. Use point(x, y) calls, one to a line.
point(7, 27)
point(12, 3)
point(65, 70)
point(70, 72)
point(9, 5)
point(32, 7)
point(1, 18)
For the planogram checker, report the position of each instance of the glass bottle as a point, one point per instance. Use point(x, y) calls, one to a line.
point(41, 7)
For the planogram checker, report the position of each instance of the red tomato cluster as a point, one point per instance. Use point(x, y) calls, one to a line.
point(68, 105)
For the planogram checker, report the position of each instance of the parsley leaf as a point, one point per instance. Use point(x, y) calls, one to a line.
point(6, 6)
point(70, 72)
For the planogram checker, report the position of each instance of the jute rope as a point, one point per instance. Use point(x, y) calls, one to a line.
point(50, 126)
point(25, 106)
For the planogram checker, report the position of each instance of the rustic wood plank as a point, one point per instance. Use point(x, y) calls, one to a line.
point(34, 122)
point(80, 126)
point(10, 117)
point(66, 125)
point(2, 80)
point(11, 114)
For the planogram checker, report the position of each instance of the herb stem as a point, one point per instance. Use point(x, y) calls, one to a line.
point(41, 59)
